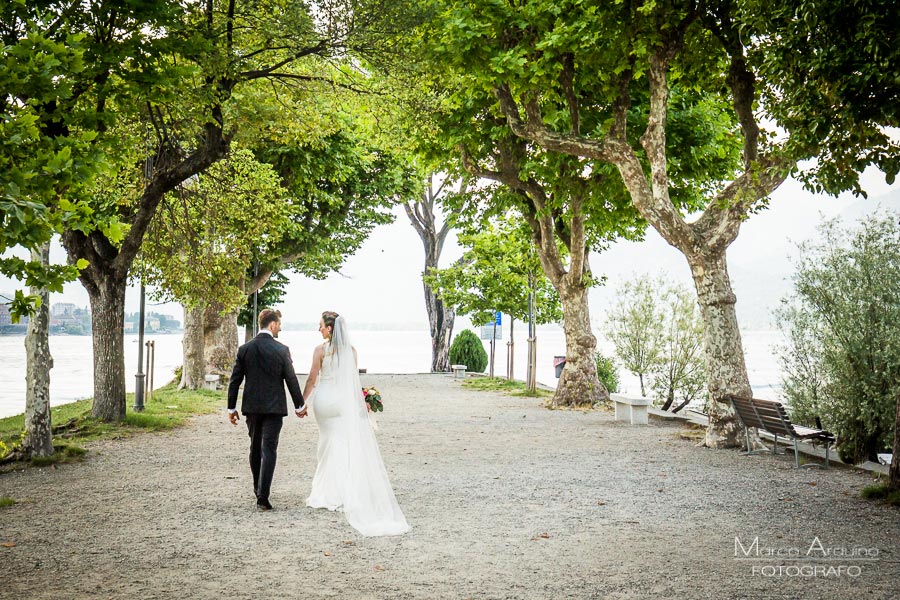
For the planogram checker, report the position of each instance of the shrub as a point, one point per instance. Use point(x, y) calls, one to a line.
point(842, 356)
point(658, 334)
point(635, 327)
point(607, 372)
point(468, 350)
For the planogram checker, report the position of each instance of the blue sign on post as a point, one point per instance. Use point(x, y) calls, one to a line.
point(499, 319)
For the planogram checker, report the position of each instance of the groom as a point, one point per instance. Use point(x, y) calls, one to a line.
point(266, 364)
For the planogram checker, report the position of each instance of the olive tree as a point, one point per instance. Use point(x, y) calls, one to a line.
point(657, 331)
point(842, 325)
point(633, 326)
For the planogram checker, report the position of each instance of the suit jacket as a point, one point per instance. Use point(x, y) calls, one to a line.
point(266, 364)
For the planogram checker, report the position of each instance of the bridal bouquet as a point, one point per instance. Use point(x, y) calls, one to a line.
point(372, 397)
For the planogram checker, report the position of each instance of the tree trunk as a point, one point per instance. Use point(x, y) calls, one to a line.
point(670, 399)
point(440, 320)
point(578, 383)
point(727, 372)
point(107, 296)
point(894, 481)
point(682, 405)
point(194, 367)
point(38, 432)
point(220, 340)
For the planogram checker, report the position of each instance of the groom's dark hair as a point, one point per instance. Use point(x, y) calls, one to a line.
point(268, 316)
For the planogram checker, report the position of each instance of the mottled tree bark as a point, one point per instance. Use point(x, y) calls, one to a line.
point(220, 339)
point(440, 322)
point(193, 369)
point(440, 317)
point(38, 430)
point(578, 382)
point(727, 371)
point(107, 297)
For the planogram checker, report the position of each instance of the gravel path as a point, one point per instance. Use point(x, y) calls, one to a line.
point(505, 499)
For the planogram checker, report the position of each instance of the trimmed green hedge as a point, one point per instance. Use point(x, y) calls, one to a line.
point(468, 350)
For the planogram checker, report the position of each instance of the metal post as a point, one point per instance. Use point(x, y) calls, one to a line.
point(493, 343)
point(255, 325)
point(152, 367)
point(531, 378)
point(148, 387)
point(510, 347)
point(139, 377)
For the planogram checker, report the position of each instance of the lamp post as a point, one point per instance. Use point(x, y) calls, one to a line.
point(139, 377)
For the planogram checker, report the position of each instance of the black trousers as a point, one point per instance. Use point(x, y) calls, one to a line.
point(264, 431)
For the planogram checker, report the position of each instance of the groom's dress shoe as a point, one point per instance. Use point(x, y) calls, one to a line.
point(262, 504)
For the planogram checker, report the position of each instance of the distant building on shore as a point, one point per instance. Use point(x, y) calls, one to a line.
point(67, 318)
point(153, 323)
point(62, 309)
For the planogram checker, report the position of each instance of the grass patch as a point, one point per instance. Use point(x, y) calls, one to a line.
point(500, 384)
point(881, 491)
point(73, 424)
point(62, 453)
point(6, 501)
point(693, 433)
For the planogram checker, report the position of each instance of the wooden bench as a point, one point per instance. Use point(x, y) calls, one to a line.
point(770, 416)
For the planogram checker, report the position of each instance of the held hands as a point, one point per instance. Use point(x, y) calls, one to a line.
point(234, 417)
point(300, 413)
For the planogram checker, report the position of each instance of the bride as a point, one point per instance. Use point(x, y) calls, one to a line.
point(350, 475)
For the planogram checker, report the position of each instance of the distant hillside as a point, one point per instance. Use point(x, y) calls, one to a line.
point(761, 283)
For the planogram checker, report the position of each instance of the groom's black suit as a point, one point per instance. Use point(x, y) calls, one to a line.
point(266, 364)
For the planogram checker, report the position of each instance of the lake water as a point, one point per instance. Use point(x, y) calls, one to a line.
point(379, 352)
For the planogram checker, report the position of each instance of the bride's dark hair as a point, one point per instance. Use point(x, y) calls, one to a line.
point(328, 318)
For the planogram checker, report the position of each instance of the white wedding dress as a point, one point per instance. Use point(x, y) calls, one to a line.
point(350, 476)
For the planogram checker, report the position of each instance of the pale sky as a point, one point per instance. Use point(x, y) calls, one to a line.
point(381, 284)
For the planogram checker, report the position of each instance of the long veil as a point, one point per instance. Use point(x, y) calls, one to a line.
point(369, 503)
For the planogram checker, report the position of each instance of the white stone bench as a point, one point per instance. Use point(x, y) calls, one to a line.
point(211, 382)
point(631, 408)
point(459, 371)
